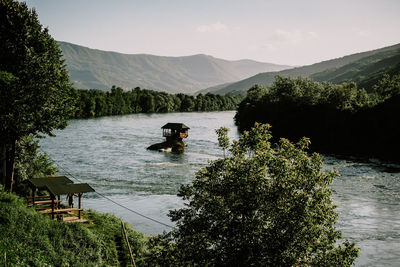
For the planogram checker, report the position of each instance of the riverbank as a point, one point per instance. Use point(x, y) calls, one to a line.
point(28, 238)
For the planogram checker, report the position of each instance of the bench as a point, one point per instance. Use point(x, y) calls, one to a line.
point(41, 202)
point(60, 210)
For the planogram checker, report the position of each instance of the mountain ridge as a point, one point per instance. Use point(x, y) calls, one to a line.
point(267, 78)
point(98, 69)
point(365, 72)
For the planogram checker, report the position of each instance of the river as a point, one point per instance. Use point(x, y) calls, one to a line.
point(110, 154)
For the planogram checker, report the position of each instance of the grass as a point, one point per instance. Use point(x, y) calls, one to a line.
point(28, 238)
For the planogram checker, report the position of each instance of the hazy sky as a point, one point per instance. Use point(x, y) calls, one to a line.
point(294, 32)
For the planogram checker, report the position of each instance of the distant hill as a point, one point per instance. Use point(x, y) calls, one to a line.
point(365, 72)
point(91, 68)
point(330, 70)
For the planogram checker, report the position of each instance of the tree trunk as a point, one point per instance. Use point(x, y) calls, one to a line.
point(10, 167)
point(3, 163)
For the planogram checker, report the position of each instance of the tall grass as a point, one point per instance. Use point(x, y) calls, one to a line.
point(28, 238)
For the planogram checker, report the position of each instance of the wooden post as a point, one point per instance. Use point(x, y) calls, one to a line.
point(79, 204)
point(3, 164)
point(127, 242)
point(33, 196)
point(52, 205)
point(10, 168)
point(59, 201)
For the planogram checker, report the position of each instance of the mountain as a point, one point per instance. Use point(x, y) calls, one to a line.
point(330, 70)
point(365, 72)
point(91, 68)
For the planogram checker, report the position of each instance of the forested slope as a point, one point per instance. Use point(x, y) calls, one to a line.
point(365, 72)
point(329, 66)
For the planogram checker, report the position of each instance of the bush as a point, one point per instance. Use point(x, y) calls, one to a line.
point(259, 206)
point(30, 163)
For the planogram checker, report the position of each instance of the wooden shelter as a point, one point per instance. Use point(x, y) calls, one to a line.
point(41, 184)
point(70, 190)
point(175, 131)
point(56, 186)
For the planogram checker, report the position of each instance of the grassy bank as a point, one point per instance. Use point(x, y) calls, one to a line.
point(28, 238)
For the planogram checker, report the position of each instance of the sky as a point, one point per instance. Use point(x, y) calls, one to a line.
point(291, 32)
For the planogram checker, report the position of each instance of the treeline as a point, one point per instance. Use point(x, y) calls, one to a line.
point(96, 103)
point(339, 119)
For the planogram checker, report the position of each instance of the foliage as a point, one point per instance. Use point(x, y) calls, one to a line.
point(388, 86)
point(30, 162)
point(95, 103)
point(259, 206)
point(35, 89)
point(39, 98)
point(223, 139)
point(28, 238)
point(107, 227)
point(341, 118)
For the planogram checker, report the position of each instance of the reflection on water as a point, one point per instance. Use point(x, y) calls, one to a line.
point(110, 154)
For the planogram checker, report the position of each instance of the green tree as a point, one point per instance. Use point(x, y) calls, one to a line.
point(101, 105)
point(388, 86)
point(262, 205)
point(35, 92)
point(187, 103)
point(29, 162)
point(223, 140)
point(147, 102)
point(117, 94)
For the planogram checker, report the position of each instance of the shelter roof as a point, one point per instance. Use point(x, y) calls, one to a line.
point(65, 189)
point(41, 183)
point(175, 126)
